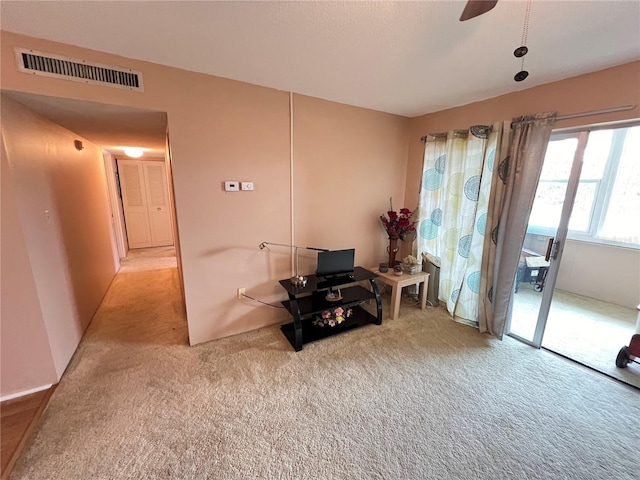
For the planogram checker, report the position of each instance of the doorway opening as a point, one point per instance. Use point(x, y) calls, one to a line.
point(114, 127)
point(578, 281)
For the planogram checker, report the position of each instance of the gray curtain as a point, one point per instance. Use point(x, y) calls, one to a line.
point(530, 137)
point(494, 209)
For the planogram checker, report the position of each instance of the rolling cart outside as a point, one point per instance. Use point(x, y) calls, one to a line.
point(533, 269)
point(630, 353)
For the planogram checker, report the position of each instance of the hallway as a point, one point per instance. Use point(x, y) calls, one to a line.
point(143, 305)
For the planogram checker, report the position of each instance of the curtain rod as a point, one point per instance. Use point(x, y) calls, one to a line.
point(590, 113)
point(622, 108)
point(443, 134)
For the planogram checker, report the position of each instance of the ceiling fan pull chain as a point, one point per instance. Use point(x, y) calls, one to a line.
point(525, 27)
point(521, 51)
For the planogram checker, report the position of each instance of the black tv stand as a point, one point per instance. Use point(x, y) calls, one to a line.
point(308, 302)
point(340, 279)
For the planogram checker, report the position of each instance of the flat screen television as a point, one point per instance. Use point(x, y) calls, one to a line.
point(334, 263)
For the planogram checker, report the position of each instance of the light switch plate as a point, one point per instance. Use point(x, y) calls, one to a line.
point(246, 186)
point(231, 186)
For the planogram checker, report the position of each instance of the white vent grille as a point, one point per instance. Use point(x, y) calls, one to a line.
point(38, 63)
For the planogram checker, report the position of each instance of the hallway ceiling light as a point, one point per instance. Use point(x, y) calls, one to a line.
point(133, 152)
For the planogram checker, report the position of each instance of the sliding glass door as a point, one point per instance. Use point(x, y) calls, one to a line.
point(589, 189)
point(546, 234)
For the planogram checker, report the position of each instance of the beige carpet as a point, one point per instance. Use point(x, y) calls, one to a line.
point(421, 397)
point(141, 259)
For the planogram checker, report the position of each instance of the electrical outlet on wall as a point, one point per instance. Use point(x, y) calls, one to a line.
point(241, 291)
point(246, 186)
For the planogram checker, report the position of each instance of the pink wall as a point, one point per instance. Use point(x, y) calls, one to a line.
point(25, 355)
point(222, 130)
point(347, 163)
point(227, 130)
point(61, 200)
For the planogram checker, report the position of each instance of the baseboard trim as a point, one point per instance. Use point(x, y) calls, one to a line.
point(11, 396)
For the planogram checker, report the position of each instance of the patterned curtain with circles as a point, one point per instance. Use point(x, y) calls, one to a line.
point(454, 216)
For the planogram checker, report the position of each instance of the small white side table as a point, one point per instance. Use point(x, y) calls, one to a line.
point(397, 282)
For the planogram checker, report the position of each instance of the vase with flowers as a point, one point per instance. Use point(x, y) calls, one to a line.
point(398, 226)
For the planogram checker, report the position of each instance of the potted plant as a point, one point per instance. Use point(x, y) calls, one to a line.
point(411, 265)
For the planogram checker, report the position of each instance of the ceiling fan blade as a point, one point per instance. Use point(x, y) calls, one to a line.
point(473, 8)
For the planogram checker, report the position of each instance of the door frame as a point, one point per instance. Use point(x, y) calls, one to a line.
point(115, 201)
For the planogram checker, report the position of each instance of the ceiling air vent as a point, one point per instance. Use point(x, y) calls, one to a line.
point(38, 63)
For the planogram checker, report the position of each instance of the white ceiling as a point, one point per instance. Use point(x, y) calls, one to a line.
point(407, 58)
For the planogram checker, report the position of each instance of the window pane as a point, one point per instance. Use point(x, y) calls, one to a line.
point(596, 154)
point(558, 159)
point(622, 222)
point(583, 206)
point(595, 158)
point(552, 187)
point(547, 206)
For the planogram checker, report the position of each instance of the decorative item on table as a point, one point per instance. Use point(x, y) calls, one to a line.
point(398, 226)
point(333, 295)
point(383, 267)
point(411, 265)
point(397, 270)
point(332, 317)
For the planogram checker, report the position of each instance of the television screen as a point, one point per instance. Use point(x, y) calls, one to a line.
point(335, 262)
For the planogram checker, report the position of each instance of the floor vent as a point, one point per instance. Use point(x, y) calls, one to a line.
point(38, 63)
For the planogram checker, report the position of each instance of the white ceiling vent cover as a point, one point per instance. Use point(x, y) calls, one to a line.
point(46, 64)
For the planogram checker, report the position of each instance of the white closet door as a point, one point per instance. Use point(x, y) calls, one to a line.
point(134, 200)
point(155, 176)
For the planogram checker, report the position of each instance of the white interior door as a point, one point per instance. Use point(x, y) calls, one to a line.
point(134, 200)
point(145, 197)
point(155, 177)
